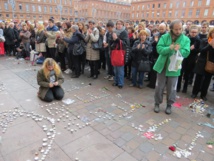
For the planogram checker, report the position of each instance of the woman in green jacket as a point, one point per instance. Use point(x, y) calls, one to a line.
point(50, 79)
point(168, 45)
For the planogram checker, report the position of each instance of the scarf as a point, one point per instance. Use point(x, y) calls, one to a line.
point(130, 35)
point(118, 32)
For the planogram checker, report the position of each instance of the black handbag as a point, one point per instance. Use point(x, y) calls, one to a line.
point(97, 45)
point(78, 49)
point(144, 66)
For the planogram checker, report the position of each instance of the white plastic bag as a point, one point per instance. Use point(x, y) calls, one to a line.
point(175, 61)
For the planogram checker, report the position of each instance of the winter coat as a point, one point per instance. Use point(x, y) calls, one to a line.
point(43, 82)
point(91, 54)
point(154, 54)
point(9, 36)
point(75, 38)
point(40, 41)
point(164, 51)
point(51, 36)
point(138, 55)
point(202, 59)
point(25, 37)
point(125, 44)
point(68, 34)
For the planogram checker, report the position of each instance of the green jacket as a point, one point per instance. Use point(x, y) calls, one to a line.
point(164, 51)
point(43, 82)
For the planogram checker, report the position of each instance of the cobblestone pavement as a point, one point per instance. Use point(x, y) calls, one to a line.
point(103, 124)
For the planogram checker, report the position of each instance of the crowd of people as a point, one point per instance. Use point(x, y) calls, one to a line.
point(74, 45)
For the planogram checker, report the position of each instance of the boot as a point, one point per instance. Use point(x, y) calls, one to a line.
point(157, 108)
point(168, 109)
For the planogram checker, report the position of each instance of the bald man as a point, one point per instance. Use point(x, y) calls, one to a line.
point(154, 56)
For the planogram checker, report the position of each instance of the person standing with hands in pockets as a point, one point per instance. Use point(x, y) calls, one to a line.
point(168, 45)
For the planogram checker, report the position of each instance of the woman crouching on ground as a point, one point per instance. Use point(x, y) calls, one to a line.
point(50, 79)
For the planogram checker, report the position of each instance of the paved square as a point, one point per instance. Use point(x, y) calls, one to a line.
point(103, 123)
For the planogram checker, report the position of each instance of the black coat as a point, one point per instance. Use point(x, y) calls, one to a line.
point(9, 36)
point(75, 38)
point(125, 44)
point(154, 55)
point(202, 59)
point(140, 54)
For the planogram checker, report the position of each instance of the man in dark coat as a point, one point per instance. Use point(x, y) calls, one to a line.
point(10, 38)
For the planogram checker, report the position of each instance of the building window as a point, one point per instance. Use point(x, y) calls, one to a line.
point(137, 15)
point(164, 5)
point(66, 10)
point(192, 4)
point(190, 13)
point(132, 15)
point(153, 6)
point(152, 14)
point(184, 4)
point(56, 9)
point(183, 13)
point(208, 2)
point(148, 6)
point(20, 7)
point(177, 4)
point(39, 9)
point(50, 1)
point(33, 8)
point(70, 11)
point(6, 6)
point(143, 15)
point(199, 2)
point(176, 13)
point(138, 7)
point(205, 12)
point(159, 5)
point(133, 8)
point(27, 7)
point(170, 14)
point(40, 17)
point(164, 13)
point(170, 6)
point(197, 12)
point(45, 9)
point(142, 7)
point(158, 14)
point(21, 16)
point(7, 15)
point(147, 14)
point(70, 2)
point(65, 2)
point(44, 1)
point(50, 9)
point(54, 1)
point(34, 17)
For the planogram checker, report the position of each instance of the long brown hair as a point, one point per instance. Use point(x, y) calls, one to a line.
point(50, 62)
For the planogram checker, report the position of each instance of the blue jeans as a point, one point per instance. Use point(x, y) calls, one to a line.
point(110, 70)
point(119, 75)
point(140, 75)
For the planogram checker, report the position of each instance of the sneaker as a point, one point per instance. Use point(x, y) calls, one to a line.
point(140, 86)
point(157, 108)
point(27, 58)
point(132, 85)
point(68, 71)
point(168, 109)
point(107, 77)
point(111, 78)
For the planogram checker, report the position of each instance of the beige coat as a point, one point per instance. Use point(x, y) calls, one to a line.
point(51, 38)
point(44, 83)
point(92, 54)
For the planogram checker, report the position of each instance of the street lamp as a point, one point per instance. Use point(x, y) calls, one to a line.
point(13, 5)
point(60, 7)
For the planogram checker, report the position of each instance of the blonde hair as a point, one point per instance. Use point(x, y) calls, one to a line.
point(143, 32)
point(40, 27)
point(50, 62)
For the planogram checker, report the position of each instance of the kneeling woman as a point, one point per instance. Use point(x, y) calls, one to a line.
point(50, 79)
